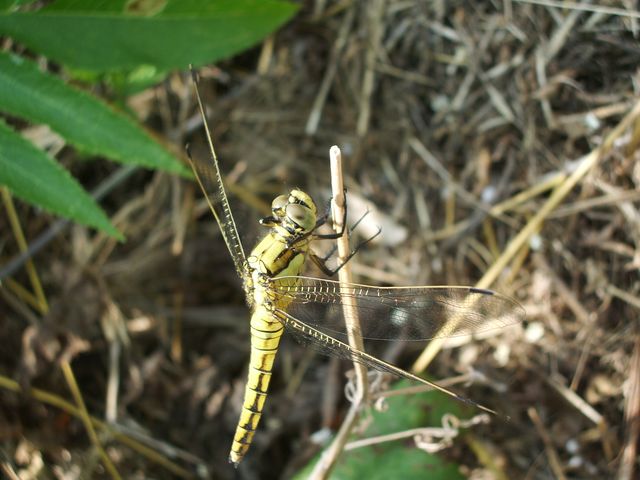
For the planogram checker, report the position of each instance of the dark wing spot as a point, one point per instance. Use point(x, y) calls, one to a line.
point(481, 291)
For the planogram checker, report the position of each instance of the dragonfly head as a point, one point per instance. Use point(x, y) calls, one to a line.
point(296, 213)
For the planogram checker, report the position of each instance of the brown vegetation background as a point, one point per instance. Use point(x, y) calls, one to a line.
point(458, 122)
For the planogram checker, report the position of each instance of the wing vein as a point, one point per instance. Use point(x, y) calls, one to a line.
point(213, 186)
point(359, 356)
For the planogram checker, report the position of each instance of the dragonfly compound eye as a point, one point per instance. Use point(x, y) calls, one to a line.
point(302, 216)
point(279, 203)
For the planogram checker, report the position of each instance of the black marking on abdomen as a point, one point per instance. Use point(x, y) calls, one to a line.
point(268, 331)
point(261, 370)
point(252, 409)
point(265, 349)
point(252, 419)
point(263, 361)
point(254, 406)
point(263, 392)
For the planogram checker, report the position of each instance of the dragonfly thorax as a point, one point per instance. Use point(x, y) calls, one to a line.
point(284, 250)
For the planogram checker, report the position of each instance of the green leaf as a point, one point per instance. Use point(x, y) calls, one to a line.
point(400, 458)
point(80, 118)
point(6, 5)
point(36, 178)
point(167, 34)
point(9, 5)
point(135, 80)
point(395, 461)
point(413, 411)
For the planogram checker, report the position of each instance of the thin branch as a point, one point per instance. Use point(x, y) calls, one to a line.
point(58, 402)
point(321, 97)
point(552, 455)
point(86, 420)
point(585, 7)
point(338, 205)
point(107, 185)
point(39, 299)
point(522, 238)
point(628, 460)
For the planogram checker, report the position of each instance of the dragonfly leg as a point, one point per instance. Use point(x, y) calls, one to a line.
point(323, 219)
point(321, 262)
point(349, 230)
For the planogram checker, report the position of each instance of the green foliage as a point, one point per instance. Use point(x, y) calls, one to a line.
point(400, 458)
point(131, 44)
point(6, 5)
point(395, 461)
point(80, 118)
point(166, 34)
point(51, 186)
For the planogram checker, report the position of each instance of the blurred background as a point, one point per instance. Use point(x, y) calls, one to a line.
point(481, 136)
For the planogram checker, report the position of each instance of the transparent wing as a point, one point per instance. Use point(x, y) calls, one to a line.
point(210, 181)
point(333, 346)
point(395, 313)
point(312, 309)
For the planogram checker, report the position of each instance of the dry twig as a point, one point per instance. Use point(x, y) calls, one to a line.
point(338, 205)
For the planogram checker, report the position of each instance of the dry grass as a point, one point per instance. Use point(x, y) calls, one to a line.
point(460, 122)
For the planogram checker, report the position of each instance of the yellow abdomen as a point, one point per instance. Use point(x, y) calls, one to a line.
point(265, 337)
point(271, 258)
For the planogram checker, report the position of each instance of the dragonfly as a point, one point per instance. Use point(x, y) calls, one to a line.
point(280, 298)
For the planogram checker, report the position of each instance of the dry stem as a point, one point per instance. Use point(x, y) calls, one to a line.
point(338, 205)
point(58, 402)
point(519, 241)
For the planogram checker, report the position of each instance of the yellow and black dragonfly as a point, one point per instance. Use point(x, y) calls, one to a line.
point(280, 298)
